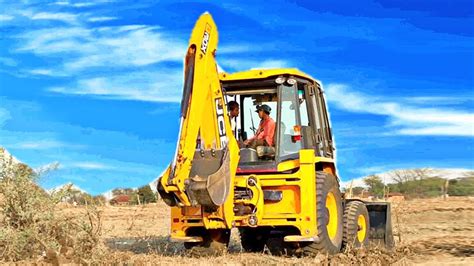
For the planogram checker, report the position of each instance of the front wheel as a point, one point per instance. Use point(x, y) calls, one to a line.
point(356, 225)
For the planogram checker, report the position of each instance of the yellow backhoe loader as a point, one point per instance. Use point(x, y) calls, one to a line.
point(283, 194)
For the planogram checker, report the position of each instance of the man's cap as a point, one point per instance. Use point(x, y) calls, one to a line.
point(267, 109)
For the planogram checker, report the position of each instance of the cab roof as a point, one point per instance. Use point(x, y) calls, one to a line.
point(263, 73)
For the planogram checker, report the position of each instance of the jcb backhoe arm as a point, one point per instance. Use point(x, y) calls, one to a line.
point(202, 173)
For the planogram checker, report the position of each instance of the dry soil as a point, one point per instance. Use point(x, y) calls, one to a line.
point(427, 231)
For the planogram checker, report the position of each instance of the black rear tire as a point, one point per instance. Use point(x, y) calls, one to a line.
point(253, 239)
point(356, 225)
point(330, 229)
point(278, 247)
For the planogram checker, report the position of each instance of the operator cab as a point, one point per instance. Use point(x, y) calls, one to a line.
point(297, 107)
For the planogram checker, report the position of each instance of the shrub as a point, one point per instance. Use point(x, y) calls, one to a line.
point(31, 226)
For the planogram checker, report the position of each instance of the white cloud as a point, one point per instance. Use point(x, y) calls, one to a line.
point(5, 17)
point(101, 19)
point(92, 53)
point(43, 145)
point(84, 4)
point(163, 86)
point(387, 175)
point(40, 71)
point(137, 47)
point(404, 119)
point(450, 130)
point(65, 17)
point(438, 100)
point(103, 47)
point(38, 145)
point(53, 41)
point(62, 3)
point(48, 72)
point(81, 4)
point(89, 165)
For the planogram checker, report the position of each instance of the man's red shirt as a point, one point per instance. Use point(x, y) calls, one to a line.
point(266, 130)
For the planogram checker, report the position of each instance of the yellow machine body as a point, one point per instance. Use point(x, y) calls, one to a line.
point(206, 185)
point(296, 208)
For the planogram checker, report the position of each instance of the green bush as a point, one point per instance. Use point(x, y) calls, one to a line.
point(461, 187)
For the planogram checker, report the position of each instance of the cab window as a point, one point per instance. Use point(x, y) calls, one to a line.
point(288, 119)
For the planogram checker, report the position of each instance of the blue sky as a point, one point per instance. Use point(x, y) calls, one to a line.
point(96, 85)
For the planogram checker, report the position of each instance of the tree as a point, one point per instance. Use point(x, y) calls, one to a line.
point(375, 184)
point(116, 191)
point(146, 194)
point(419, 175)
point(461, 186)
point(357, 191)
point(401, 177)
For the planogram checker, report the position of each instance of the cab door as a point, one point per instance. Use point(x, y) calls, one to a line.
point(318, 117)
point(288, 117)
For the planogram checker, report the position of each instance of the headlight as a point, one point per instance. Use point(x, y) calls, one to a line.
point(280, 80)
point(291, 81)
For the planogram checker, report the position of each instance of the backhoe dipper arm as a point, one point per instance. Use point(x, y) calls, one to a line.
point(202, 175)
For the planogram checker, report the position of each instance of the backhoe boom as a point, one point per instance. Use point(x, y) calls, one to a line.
point(207, 154)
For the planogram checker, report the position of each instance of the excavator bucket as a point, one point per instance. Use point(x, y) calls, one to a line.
point(210, 178)
point(380, 231)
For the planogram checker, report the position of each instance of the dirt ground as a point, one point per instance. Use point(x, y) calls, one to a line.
point(428, 231)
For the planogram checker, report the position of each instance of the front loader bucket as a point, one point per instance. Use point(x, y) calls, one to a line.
point(210, 178)
point(380, 231)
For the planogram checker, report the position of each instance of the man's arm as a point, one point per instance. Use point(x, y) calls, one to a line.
point(258, 132)
point(247, 141)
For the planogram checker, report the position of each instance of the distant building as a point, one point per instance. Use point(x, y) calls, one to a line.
point(120, 200)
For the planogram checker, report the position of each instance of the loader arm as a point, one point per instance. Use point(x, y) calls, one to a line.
point(207, 154)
